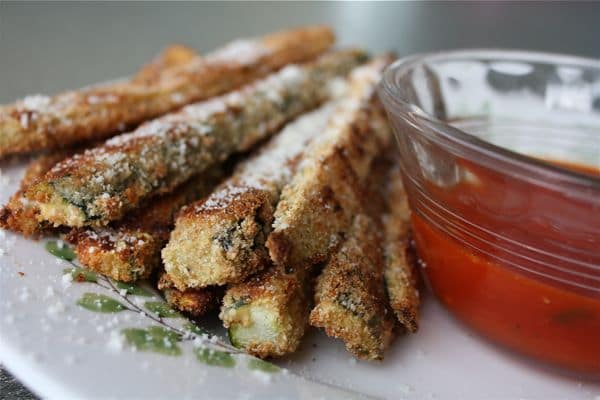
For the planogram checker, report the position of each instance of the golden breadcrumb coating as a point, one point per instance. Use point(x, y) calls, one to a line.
point(104, 183)
point(350, 299)
point(318, 205)
point(129, 249)
point(401, 276)
point(221, 238)
point(41, 122)
point(192, 302)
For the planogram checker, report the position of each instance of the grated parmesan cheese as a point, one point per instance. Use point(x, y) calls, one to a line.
point(36, 102)
point(55, 309)
point(66, 280)
point(404, 388)
point(24, 294)
point(24, 120)
point(115, 342)
point(242, 51)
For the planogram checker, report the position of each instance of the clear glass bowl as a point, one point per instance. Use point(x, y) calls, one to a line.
point(500, 153)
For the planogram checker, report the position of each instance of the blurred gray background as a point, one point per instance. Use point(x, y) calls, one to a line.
point(51, 46)
point(48, 47)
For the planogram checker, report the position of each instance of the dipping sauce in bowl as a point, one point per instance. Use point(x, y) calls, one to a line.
point(500, 153)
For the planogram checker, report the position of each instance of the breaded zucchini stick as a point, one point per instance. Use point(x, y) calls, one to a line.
point(400, 274)
point(268, 315)
point(129, 249)
point(20, 214)
point(193, 302)
point(41, 122)
point(102, 184)
point(221, 238)
point(271, 322)
point(318, 205)
point(350, 299)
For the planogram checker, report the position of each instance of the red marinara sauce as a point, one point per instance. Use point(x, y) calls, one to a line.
point(536, 302)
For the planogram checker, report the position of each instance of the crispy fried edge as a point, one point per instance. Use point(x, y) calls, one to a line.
point(192, 302)
point(400, 271)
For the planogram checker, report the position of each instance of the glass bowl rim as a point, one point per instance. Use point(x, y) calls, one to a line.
point(464, 139)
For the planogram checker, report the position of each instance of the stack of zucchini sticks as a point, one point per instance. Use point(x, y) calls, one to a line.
point(257, 179)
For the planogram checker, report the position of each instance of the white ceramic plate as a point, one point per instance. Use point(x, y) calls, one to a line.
point(56, 345)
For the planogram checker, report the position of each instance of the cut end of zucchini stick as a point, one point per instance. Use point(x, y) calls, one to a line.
point(22, 215)
point(268, 315)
